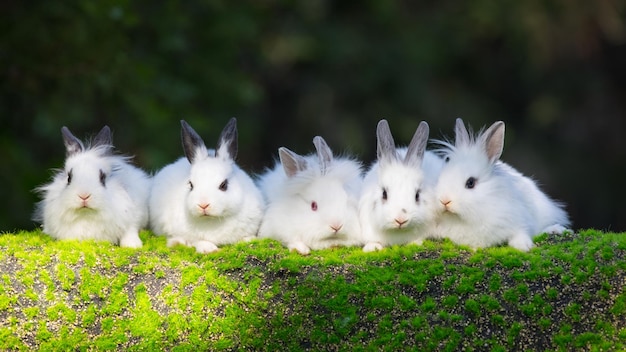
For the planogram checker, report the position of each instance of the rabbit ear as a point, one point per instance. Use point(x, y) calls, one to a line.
point(292, 162)
point(493, 141)
point(73, 145)
point(227, 143)
point(417, 147)
point(191, 141)
point(462, 137)
point(103, 137)
point(324, 154)
point(386, 147)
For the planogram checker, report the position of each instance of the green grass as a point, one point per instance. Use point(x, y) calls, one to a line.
point(566, 294)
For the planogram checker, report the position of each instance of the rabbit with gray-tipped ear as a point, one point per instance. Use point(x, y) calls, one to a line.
point(204, 199)
point(485, 202)
point(397, 204)
point(96, 196)
point(312, 200)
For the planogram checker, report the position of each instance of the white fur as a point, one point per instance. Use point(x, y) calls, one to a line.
point(114, 212)
point(290, 218)
point(378, 217)
point(503, 207)
point(397, 202)
point(232, 215)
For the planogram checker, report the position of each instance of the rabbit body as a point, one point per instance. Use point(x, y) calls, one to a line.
point(96, 196)
point(484, 202)
point(205, 199)
point(397, 204)
point(312, 200)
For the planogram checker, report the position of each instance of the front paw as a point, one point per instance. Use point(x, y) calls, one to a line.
point(175, 241)
point(300, 248)
point(372, 247)
point(204, 247)
point(131, 240)
point(522, 242)
point(555, 229)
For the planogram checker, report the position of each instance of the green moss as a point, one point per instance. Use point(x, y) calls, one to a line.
point(565, 294)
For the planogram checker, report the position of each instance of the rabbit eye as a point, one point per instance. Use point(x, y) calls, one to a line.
point(314, 205)
point(384, 194)
point(446, 159)
point(69, 177)
point(224, 186)
point(417, 196)
point(103, 178)
point(470, 183)
point(190, 185)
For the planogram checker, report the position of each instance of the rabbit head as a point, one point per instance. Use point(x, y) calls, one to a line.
point(470, 181)
point(401, 200)
point(321, 191)
point(213, 191)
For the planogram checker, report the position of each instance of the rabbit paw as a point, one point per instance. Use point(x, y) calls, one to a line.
point(175, 241)
point(418, 241)
point(555, 229)
point(300, 248)
point(131, 240)
point(372, 246)
point(204, 247)
point(523, 242)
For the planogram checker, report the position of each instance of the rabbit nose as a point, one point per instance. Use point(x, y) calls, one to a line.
point(84, 196)
point(204, 206)
point(336, 228)
point(445, 202)
point(401, 222)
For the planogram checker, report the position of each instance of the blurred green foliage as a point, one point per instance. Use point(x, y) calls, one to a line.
point(553, 70)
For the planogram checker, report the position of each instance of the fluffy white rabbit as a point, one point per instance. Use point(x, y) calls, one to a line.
point(204, 199)
point(484, 202)
point(97, 195)
point(397, 204)
point(312, 200)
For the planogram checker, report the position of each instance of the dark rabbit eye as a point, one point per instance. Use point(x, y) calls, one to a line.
point(314, 205)
point(446, 159)
point(417, 196)
point(224, 186)
point(69, 177)
point(190, 185)
point(103, 178)
point(384, 194)
point(470, 183)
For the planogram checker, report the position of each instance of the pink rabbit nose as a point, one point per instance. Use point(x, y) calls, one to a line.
point(445, 202)
point(84, 196)
point(336, 228)
point(204, 206)
point(401, 222)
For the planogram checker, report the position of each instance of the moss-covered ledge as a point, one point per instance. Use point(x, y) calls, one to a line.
point(568, 293)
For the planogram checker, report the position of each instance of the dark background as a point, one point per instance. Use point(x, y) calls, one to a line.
point(554, 71)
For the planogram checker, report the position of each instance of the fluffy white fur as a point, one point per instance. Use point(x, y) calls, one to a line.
point(228, 216)
point(333, 185)
point(400, 218)
point(502, 207)
point(113, 212)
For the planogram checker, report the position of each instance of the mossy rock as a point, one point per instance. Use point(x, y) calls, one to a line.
point(566, 294)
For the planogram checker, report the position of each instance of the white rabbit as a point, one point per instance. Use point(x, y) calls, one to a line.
point(397, 204)
point(204, 199)
point(312, 200)
point(97, 195)
point(484, 202)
